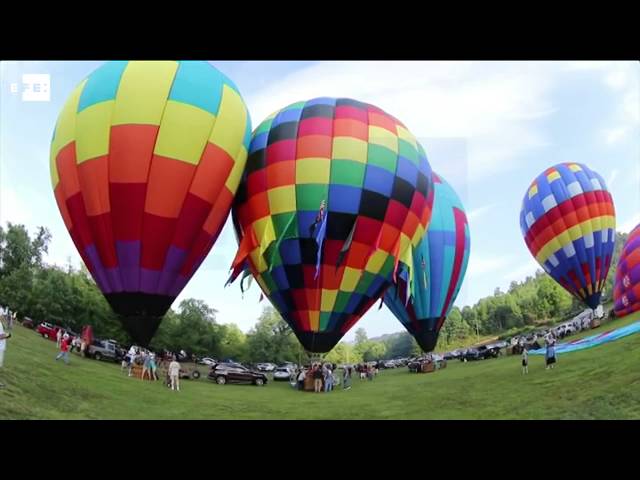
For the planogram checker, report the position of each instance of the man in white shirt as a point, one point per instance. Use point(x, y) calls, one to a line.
point(3, 346)
point(174, 374)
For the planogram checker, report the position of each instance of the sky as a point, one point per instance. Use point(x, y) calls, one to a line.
point(489, 128)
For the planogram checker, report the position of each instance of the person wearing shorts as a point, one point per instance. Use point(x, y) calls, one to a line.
point(525, 361)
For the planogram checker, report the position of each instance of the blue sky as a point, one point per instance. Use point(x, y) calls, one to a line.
point(488, 127)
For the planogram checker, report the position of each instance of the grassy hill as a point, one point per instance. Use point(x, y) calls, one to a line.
point(598, 383)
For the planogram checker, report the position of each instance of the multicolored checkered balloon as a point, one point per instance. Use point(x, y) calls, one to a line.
point(336, 192)
point(626, 291)
point(429, 285)
point(146, 158)
point(568, 222)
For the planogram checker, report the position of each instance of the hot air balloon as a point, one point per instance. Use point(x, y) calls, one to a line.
point(335, 193)
point(568, 222)
point(626, 291)
point(146, 158)
point(429, 285)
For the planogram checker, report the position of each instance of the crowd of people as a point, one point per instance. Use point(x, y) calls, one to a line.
point(325, 376)
point(149, 362)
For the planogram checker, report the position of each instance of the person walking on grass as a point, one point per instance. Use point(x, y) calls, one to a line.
point(525, 361)
point(153, 367)
point(58, 337)
point(3, 346)
point(174, 374)
point(64, 351)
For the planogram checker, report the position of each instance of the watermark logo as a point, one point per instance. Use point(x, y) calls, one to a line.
point(36, 87)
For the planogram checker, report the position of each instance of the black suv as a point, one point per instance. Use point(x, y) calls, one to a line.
point(235, 373)
point(481, 353)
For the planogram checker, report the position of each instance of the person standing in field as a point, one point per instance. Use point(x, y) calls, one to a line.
point(301, 376)
point(317, 379)
point(174, 374)
point(153, 367)
point(58, 337)
point(550, 356)
point(146, 367)
point(3, 346)
point(525, 361)
point(132, 358)
point(346, 378)
point(328, 379)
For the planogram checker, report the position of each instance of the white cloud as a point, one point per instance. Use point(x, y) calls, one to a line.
point(587, 65)
point(481, 265)
point(614, 135)
point(612, 177)
point(629, 224)
point(617, 79)
point(13, 208)
point(478, 212)
point(519, 274)
point(494, 105)
point(631, 104)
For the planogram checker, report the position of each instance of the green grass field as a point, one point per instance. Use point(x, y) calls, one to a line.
point(598, 383)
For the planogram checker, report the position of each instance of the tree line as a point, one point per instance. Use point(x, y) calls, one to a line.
point(69, 297)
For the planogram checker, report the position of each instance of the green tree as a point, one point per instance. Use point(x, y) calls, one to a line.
point(361, 336)
point(272, 340)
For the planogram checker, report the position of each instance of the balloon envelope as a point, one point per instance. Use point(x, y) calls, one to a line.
point(568, 222)
point(439, 263)
point(145, 160)
point(335, 192)
point(626, 291)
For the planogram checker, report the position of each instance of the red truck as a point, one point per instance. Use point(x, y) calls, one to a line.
point(51, 331)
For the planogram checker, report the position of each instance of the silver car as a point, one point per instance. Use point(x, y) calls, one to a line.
point(282, 373)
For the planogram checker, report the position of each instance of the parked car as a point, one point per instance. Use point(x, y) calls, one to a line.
point(452, 355)
point(28, 323)
point(266, 367)
point(188, 370)
point(207, 361)
point(282, 373)
point(235, 373)
point(104, 350)
point(47, 330)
